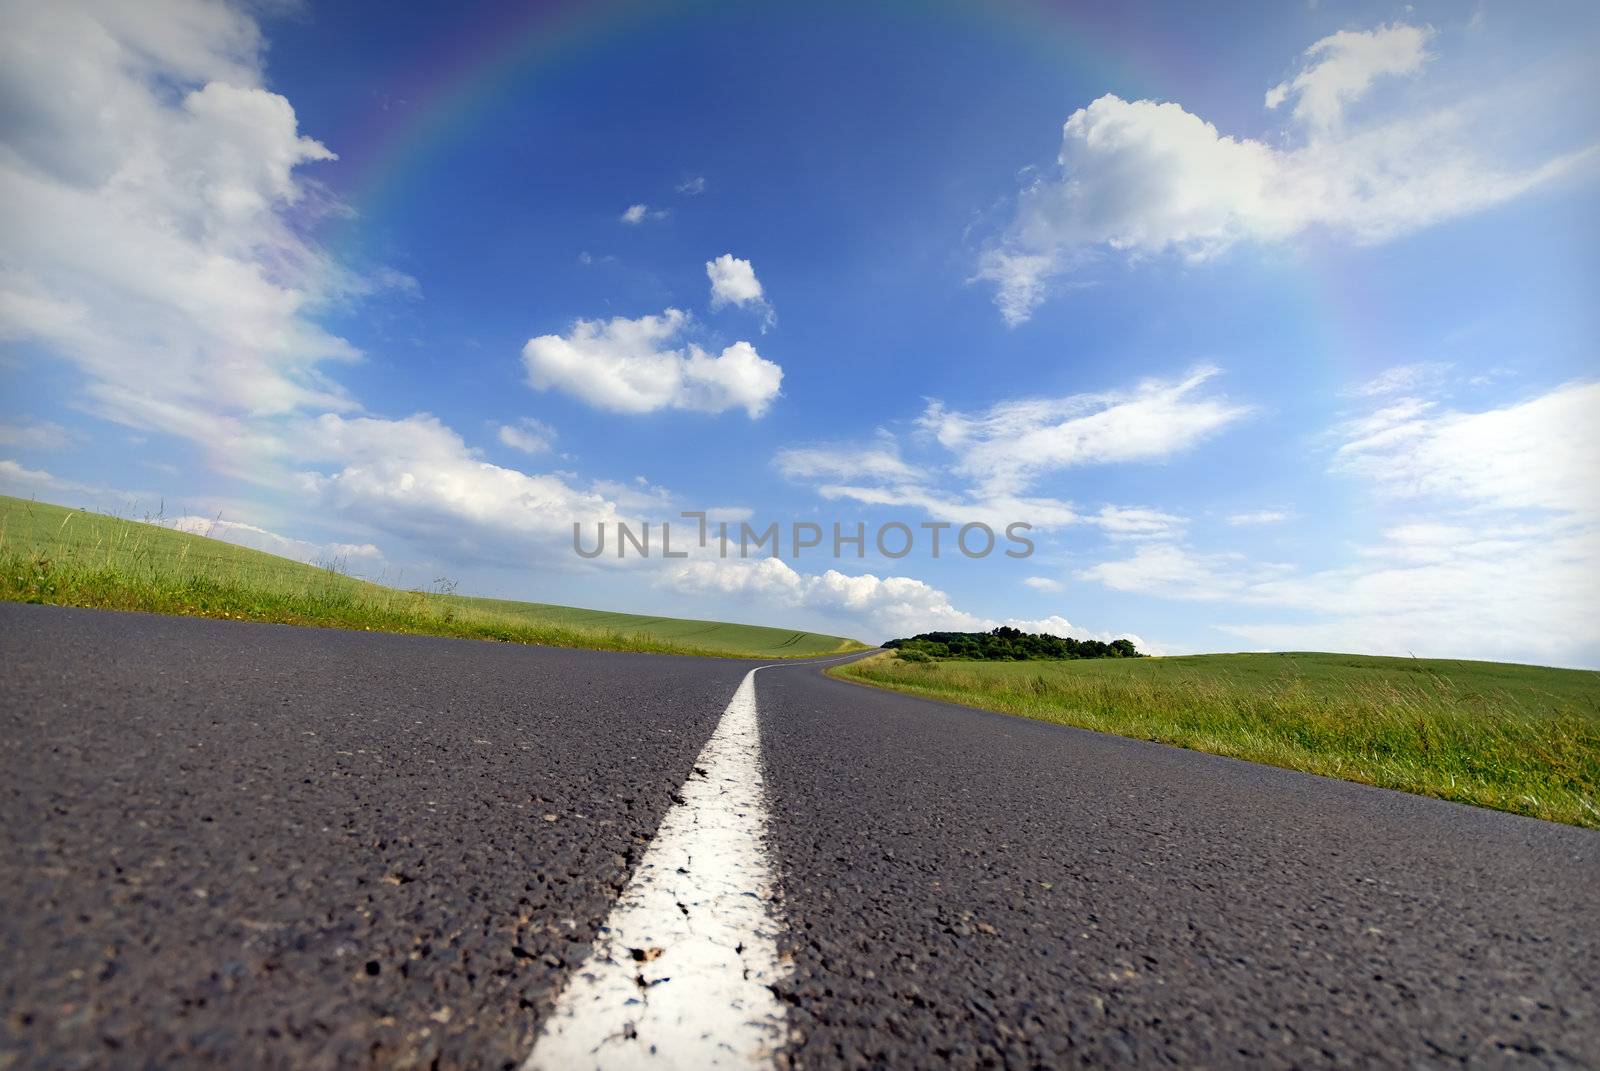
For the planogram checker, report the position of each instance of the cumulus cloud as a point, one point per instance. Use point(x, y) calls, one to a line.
point(883, 606)
point(634, 366)
point(1144, 178)
point(418, 477)
point(1504, 563)
point(733, 281)
point(528, 435)
point(150, 218)
point(156, 220)
point(1044, 583)
point(693, 187)
point(890, 605)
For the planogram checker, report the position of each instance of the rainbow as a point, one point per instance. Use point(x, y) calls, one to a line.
point(486, 61)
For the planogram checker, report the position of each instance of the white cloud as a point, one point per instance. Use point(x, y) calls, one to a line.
point(693, 187)
point(34, 435)
point(18, 479)
point(1502, 591)
point(997, 455)
point(1021, 279)
point(995, 510)
point(636, 214)
point(1011, 444)
point(1123, 522)
point(1145, 178)
point(257, 538)
point(881, 607)
point(416, 476)
point(1260, 516)
point(1044, 583)
point(528, 435)
point(1542, 454)
point(1506, 566)
point(1402, 378)
point(889, 605)
point(14, 474)
point(155, 220)
point(632, 366)
point(151, 220)
point(1347, 63)
point(1172, 572)
point(879, 462)
point(733, 281)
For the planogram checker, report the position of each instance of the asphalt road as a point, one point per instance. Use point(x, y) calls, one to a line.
point(229, 844)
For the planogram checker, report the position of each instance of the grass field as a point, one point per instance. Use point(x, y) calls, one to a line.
point(1517, 738)
point(51, 554)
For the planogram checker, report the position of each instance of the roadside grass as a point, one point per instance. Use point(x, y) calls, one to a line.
point(1524, 739)
point(66, 557)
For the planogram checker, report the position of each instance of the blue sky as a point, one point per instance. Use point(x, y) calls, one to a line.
point(1277, 324)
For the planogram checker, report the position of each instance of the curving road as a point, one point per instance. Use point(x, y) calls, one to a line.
point(231, 844)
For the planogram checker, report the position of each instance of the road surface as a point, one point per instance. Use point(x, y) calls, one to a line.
point(253, 845)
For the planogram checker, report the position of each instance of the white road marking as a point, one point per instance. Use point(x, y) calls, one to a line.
point(678, 977)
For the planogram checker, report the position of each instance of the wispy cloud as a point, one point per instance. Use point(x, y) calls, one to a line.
point(1502, 562)
point(995, 458)
point(1259, 517)
point(1403, 379)
point(34, 435)
point(528, 435)
point(636, 214)
point(1006, 447)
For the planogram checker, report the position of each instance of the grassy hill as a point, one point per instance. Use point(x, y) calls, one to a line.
point(1517, 738)
point(52, 554)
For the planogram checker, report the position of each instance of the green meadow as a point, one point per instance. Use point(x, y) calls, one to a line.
point(67, 557)
point(1517, 738)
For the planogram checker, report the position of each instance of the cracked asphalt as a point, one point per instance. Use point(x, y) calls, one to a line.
point(232, 844)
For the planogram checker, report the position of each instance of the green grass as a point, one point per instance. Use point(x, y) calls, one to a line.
point(66, 557)
point(1517, 738)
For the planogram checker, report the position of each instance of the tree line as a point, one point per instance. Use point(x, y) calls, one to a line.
point(1006, 644)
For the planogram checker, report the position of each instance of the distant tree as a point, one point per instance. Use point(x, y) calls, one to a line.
point(1007, 644)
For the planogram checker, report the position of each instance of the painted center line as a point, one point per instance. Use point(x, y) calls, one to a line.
point(678, 976)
